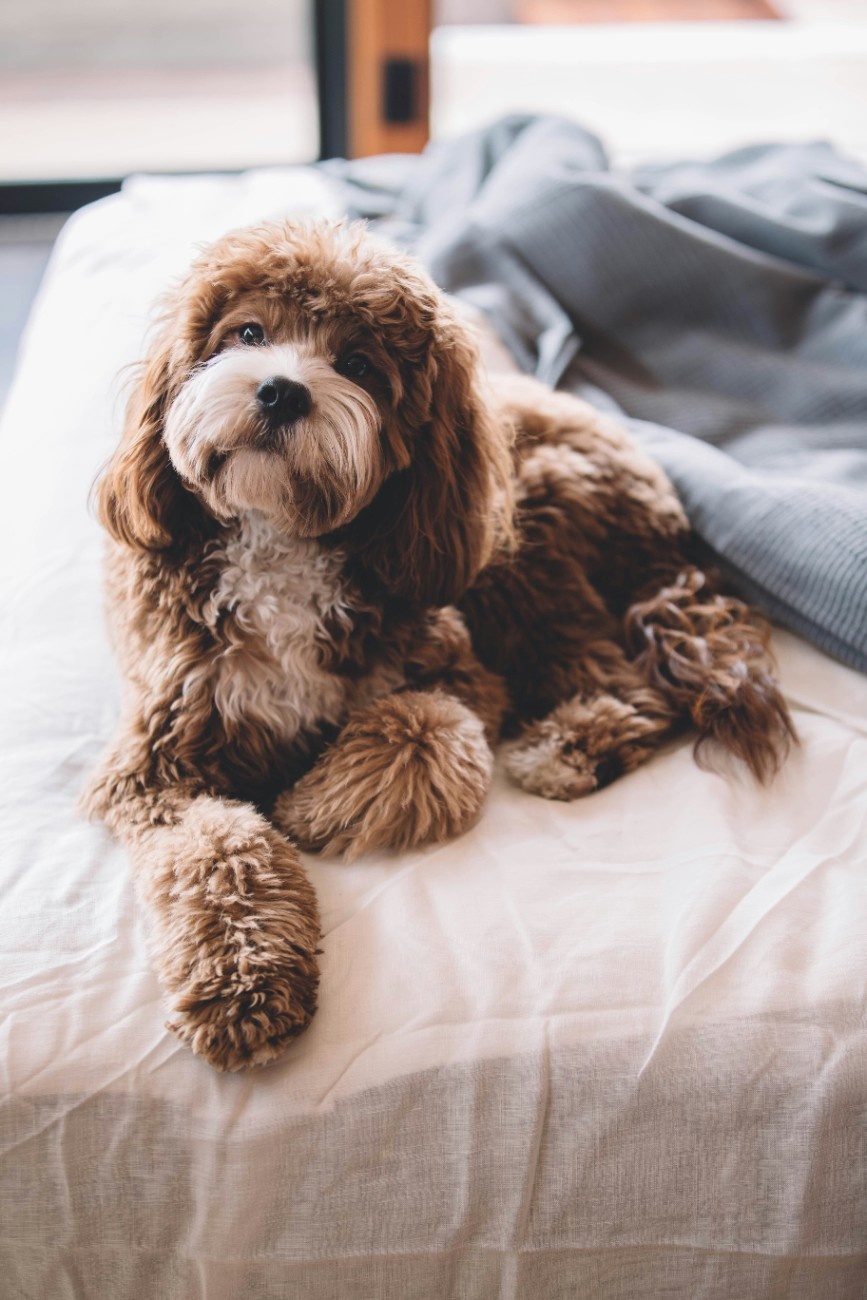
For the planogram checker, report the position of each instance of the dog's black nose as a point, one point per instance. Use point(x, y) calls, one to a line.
point(282, 400)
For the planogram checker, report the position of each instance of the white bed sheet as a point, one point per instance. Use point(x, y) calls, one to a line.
point(616, 1048)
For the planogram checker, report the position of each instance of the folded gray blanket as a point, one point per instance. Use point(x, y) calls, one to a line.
point(720, 306)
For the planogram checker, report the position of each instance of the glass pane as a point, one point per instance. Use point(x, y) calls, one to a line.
point(657, 79)
point(100, 88)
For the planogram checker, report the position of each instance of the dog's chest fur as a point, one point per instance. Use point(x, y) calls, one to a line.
point(272, 606)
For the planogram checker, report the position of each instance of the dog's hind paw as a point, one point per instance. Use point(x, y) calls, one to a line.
point(584, 745)
point(545, 768)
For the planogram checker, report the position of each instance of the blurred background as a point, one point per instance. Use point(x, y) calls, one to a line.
point(93, 90)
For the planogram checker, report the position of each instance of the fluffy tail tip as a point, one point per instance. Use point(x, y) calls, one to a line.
point(750, 720)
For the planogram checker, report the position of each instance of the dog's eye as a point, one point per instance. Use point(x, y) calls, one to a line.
point(354, 366)
point(251, 334)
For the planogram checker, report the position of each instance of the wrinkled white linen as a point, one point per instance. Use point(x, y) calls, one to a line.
point(612, 1048)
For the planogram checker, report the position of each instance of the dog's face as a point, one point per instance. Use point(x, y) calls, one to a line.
point(312, 374)
point(283, 419)
point(296, 405)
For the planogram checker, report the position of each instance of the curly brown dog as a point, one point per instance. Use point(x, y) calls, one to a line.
point(338, 570)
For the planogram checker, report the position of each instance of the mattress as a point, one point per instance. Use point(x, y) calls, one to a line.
point(614, 1048)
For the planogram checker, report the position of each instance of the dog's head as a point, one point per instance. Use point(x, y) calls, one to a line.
point(310, 373)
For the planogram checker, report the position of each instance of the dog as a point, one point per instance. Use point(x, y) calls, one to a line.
point(340, 570)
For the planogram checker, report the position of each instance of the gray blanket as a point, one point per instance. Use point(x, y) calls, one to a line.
point(720, 306)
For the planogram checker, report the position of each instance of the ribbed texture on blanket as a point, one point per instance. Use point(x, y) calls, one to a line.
point(719, 305)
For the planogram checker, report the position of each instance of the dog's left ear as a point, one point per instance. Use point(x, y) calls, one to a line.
point(434, 525)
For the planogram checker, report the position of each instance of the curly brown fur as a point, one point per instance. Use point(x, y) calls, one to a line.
point(610, 677)
point(410, 768)
point(611, 725)
point(710, 656)
point(338, 569)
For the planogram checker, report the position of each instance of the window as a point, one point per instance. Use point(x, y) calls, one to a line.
point(99, 88)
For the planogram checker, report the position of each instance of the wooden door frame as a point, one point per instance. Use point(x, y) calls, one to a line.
point(373, 68)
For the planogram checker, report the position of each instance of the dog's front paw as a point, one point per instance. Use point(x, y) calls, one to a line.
point(236, 1023)
point(235, 935)
point(413, 768)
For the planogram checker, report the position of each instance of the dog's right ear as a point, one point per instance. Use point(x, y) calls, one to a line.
point(140, 499)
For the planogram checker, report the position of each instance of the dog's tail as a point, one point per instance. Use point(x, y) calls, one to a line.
point(710, 656)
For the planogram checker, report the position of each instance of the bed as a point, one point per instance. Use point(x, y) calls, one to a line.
point(616, 1048)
